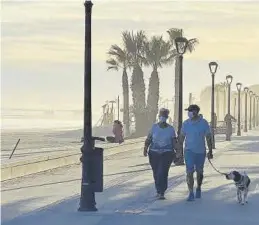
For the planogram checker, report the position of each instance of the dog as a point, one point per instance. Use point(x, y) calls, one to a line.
point(242, 182)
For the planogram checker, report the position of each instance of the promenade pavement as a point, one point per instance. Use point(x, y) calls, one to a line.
point(52, 197)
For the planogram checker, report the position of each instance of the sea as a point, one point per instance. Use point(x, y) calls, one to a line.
point(42, 133)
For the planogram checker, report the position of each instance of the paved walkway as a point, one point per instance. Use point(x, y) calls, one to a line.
point(52, 197)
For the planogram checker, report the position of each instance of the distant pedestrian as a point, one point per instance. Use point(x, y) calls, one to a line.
point(194, 131)
point(118, 133)
point(160, 147)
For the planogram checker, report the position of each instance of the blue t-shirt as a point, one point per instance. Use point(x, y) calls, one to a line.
point(195, 133)
point(162, 138)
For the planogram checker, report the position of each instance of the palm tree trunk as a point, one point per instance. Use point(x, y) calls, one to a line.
point(125, 88)
point(176, 91)
point(153, 97)
point(139, 100)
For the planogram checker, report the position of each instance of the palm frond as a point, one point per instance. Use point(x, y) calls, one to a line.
point(173, 34)
point(112, 64)
point(156, 51)
point(192, 44)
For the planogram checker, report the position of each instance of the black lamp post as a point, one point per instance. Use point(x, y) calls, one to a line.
point(229, 80)
point(250, 116)
point(246, 91)
point(239, 86)
point(181, 44)
point(213, 69)
point(257, 111)
point(87, 200)
point(254, 122)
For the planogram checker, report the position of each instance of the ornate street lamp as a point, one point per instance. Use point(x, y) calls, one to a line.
point(239, 86)
point(213, 69)
point(181, 44)
point(229, 80)
point(87, 199)
point(250, 116)
point(246, 92)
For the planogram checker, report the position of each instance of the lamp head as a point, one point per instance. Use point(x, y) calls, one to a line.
point(239, 85)
point(246, 89)
point(229, 79)
point(251, 93)
point(213, 67)
point(181, 44)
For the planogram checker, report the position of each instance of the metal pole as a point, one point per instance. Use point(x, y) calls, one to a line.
point(235, 105)
point(229, 124)
point(238, 115)
point(254, 113)
point(118, 107)
point(250, 116)
point(212, 110)
point(14, 148)
point(224, 108)
point(190, 98)
point(87, 200)
point(245, 129)
point(257, 112)
point(180, 109)
point(229, 99)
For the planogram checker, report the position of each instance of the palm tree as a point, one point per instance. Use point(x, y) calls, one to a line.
point(119, 59)
point(134, 43)
point(156, 54)
point(173, 34)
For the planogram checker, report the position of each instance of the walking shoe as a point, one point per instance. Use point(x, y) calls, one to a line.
point(198, 193)
point(190, 197)
point(161, 197)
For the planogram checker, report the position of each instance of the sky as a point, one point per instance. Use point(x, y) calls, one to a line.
point(42, 47)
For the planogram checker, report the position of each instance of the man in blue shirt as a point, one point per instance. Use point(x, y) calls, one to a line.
point(194, 131)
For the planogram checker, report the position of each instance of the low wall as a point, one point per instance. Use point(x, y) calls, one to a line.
point(36, 165)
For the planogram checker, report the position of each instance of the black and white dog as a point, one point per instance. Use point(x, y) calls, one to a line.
point(242, 182)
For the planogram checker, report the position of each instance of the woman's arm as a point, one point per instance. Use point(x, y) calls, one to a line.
point(148, 142)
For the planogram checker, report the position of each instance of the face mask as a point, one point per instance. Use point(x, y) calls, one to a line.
point(162, 119)
point(190, 115)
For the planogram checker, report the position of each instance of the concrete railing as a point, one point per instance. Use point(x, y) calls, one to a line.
point(40, 164)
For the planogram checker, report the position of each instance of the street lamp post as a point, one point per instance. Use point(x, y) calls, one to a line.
point(254, 117)
point(87, 200)
point(257, 111)
point(246, 91)
point(229, 80)
point(239, 85)
point(181, 44)
point(250, 113)
point(213, 69)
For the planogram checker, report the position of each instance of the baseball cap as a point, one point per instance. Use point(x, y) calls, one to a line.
point(193, 108)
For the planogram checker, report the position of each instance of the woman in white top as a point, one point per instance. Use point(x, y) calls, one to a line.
point(160, 147)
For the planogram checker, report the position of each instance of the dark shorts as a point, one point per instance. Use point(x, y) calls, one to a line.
point(194, 161)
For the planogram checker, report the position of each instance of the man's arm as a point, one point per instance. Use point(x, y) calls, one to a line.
point(209, 141)
point(181, 139)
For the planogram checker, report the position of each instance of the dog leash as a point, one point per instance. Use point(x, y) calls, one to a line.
point(216, 168)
